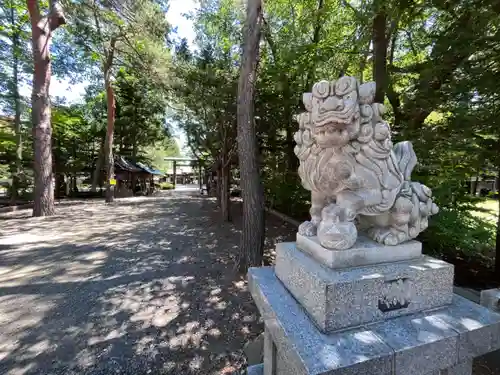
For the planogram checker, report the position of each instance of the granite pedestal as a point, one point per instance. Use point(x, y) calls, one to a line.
point(397, 318)
point(341, 298)
point(364, 252)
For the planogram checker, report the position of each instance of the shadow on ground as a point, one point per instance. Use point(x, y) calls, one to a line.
point(144, 286)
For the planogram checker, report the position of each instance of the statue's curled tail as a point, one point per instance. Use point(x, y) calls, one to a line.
point(413, 206)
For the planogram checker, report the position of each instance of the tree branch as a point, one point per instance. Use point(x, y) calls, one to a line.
point(98, 27)
point(412, 46)
point(269, 39)
point(357, 13)
point(56, 15)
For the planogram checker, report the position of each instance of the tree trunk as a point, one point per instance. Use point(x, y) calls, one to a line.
point(59, 184)
point(108, 143)
point(74, 187)
point(291, 128)
point(380, 54)
point(363, 61)
point(134, 148)
point(252, 239)
point(67, 186)
point(218, 191)
point(225, 202)
point(224, 195)
point(476, 183)
point(17, 168)
point(98, 166)
point(497, 242)
point(42, 28)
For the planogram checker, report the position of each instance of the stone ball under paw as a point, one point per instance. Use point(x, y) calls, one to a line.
point(307, 229)
point(337, 236)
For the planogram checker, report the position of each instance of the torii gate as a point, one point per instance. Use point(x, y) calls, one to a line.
point(185, 161)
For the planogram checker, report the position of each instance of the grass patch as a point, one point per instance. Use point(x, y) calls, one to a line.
point(165, 186)
point(486, 210)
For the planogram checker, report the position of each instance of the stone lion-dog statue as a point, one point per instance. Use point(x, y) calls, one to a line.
point(357, 178)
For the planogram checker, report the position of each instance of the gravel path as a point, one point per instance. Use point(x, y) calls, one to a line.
point(144, 286)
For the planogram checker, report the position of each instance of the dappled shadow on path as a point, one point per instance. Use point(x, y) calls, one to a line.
point(143, 286)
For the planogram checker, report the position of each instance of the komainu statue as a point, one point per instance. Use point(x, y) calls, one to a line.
point(357, 178)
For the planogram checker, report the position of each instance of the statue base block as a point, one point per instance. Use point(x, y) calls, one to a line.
point(364, 252)
point(341, 298)
point(433, 342)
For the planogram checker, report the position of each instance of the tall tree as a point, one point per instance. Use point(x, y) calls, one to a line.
point(252, 238)
point(205, 91)
point(16, 45)
point(42, 28)
point(14, 22)
point(127, 33)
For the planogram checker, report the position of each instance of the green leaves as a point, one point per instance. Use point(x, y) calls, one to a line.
point(443, 66)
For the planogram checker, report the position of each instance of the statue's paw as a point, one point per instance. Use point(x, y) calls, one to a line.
point(402, 237)
point(315, 221)
point(413, 232)
point(386, 236)
point(307, 229)
point(391, 240)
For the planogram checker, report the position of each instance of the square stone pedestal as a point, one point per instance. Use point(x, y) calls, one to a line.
point(347, 297)
point(432, 342)
point(364, 252)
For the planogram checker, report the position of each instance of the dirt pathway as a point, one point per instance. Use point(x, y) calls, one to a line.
point(145, 286)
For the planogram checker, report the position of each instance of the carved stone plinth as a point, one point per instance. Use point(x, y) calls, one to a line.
point(393, 318)
point(341, 298)
point(434, 342)
point(364, 252)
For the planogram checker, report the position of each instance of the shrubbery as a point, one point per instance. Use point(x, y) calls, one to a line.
point(458, 231)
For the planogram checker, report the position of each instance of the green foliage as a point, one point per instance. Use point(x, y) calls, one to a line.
point(166, 186)
point(14, 50)
point(458, 231)
point(4, 173)
point(7, 140)
point(140, 113)
point(156, 154)
point(73, 142)
point(111, 35)
point(78, 129)
point(442, 69)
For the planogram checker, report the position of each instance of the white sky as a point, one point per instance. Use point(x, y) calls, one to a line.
point(175, 17)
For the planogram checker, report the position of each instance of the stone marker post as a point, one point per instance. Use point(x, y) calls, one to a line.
point(339, 303)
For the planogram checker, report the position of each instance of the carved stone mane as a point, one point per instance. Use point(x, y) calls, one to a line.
point(348, 162)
